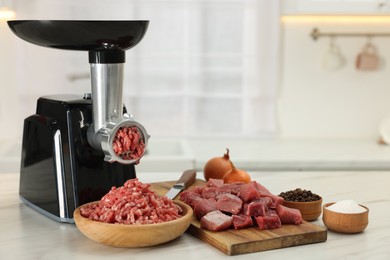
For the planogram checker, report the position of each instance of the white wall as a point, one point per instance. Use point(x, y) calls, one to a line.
point(346, 103)
point(313, 103)
point(9, 107)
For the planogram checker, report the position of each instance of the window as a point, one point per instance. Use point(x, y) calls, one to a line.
point(204, 68)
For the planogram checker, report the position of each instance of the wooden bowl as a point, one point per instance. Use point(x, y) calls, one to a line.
point(310, 210)
point(121, 235)
point(345, 222)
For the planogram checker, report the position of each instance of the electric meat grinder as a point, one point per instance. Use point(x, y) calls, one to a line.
point(76, 147)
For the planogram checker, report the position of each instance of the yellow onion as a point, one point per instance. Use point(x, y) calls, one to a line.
point(236, 175)
point(217, 167)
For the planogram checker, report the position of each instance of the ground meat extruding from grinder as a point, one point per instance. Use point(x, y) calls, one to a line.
point(128, 143)
point(133, 203)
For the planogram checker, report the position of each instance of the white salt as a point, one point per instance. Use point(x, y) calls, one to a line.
point(346, 206)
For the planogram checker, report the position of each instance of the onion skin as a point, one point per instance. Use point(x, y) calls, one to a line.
point(217, 167)
point(236, 175)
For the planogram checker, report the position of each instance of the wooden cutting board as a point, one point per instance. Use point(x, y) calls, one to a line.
point(249, 240)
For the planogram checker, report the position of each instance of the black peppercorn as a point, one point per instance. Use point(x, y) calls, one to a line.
point(299, 195)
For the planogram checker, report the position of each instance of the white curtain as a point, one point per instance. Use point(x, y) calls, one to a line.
point(204, 68)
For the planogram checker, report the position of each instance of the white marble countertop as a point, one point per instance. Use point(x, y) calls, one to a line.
point(26, 234)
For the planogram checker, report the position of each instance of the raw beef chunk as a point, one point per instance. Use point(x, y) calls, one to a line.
point(190, 197)
point(254, 208)
point(272, 212)
point(269, 221)
point(289, 215)
point(242, 221)
point(232, 188)
point(198, 189)
point(214, 183)
point(238, 205)
point(248, 192)
point(257, 207)
point(203, 207)
point(264, 192)
point(267, 201)
point(229, 203)
point(216, 221)
point(209, 192)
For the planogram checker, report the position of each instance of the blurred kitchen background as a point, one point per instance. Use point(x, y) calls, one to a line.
point(214, 74)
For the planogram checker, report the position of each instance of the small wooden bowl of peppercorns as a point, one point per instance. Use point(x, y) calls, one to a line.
point(307, 202)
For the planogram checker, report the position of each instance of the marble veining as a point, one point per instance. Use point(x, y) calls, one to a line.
point(26, 234)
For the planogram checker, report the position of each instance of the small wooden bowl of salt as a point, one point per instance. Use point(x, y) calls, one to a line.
point(345, 216)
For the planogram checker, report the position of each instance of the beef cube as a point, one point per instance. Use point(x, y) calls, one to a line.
point(209, 192)
point(269, 221)
point(267, 201)
point(254, 208)
point(271, 212)
point(248, 192)
point(264, 192)
point(198, 189)
point(232, 188)
point(229, 203)
point(203, 207)
point(242, 221)
point(289, 215)
point(257, 207)
point(190, 197)
point(262, 189)
point(195, 201)
point(216, 221)
point(214, 183)
point(276, 200)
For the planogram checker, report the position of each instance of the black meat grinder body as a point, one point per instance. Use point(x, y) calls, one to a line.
point(67, 158)
point(59, 169)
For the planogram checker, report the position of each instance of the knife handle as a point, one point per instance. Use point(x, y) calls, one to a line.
point(187, 178)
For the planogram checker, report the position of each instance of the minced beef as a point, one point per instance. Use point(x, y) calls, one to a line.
point(128, 143)
point(133, 203)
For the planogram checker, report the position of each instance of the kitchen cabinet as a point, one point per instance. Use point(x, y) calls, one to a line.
point(348, 7)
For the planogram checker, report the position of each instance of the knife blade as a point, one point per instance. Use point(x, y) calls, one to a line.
point(186, 179)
